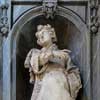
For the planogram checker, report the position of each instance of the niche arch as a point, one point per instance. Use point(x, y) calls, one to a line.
point(78, 26)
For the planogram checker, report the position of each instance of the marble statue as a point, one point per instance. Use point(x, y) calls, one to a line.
point(51, 71)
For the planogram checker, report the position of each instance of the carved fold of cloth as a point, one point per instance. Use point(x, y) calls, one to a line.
point(58, 79)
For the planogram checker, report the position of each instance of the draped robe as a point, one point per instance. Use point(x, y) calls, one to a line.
point(58, 79)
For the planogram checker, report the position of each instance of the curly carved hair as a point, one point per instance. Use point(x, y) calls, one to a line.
point(49, 29)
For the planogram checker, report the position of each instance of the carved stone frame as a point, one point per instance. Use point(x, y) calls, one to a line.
point(9, 60)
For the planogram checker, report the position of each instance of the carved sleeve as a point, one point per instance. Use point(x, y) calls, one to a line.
point(28, 65)
point(27, 60)
point(73, 78)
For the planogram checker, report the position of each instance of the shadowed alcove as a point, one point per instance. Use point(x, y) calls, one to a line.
point(69, 37)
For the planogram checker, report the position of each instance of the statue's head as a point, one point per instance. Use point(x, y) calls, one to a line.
point(45, 35)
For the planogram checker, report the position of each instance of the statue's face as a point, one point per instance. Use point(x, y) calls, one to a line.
point(44, 38)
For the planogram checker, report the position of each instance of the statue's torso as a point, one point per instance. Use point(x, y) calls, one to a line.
point(49, 72)
point(52, 76)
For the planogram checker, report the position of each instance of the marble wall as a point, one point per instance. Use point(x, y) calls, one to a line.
point(96, 64)
point(1, 69)
point(82, 11)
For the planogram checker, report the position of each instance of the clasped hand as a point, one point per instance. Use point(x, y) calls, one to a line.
point(44, 57)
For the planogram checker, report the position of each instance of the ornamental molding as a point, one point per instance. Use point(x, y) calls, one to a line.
point(49, 8)
point(94, 26)
point(4, 27)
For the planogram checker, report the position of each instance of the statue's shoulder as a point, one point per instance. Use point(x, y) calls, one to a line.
point(63, 51)
point(56, 49)
point(66, 51)
point(34, 50)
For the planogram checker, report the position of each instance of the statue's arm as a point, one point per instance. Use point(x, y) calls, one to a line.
point(70, 67)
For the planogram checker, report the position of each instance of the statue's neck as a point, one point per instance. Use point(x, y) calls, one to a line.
point(48, 46)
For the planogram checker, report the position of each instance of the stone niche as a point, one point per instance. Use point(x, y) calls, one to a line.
point(69, 36)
